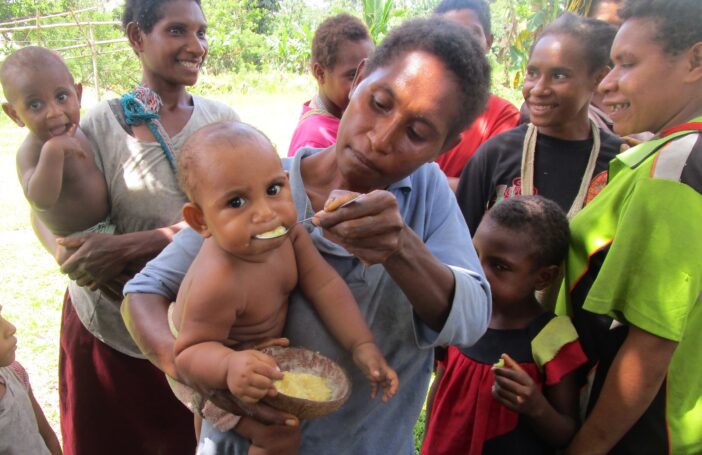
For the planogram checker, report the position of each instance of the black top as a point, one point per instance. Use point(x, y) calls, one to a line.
point(494, 171)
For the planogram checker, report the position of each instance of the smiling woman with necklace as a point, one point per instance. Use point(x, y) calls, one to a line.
point(561, 155)
point(112, 400)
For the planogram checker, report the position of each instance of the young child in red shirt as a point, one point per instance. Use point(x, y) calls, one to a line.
point(339, 45)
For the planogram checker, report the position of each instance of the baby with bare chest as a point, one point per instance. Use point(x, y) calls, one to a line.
point(238, 286)
point(55, 163)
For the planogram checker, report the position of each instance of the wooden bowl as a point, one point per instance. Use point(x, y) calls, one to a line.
point(305, 361)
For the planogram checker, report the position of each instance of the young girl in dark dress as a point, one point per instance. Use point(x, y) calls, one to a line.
point(515, 390)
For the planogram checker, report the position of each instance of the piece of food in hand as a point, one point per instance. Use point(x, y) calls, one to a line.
point(277, 232)
point(303, 385)
point(335, 202)
point(499, 364)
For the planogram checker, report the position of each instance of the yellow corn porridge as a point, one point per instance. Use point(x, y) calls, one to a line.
point(303, 385)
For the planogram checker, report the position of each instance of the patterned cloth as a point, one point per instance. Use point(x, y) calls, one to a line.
point(142, 106)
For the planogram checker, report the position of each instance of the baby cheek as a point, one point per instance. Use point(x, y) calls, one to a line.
point(289, 214)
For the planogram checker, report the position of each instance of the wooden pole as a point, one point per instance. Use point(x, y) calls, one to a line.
point(78, 46)
point(30, 19)
point(93, 53)
point(38, 27)
point(62, 24)
point(115, 51)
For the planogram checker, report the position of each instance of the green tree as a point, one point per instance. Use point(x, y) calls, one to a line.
point(64, 25)
point(377, 14)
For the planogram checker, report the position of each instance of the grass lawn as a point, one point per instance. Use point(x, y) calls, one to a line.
point(32, 290)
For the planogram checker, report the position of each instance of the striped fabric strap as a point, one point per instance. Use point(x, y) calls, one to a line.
point(691, 126)
point(142, 105)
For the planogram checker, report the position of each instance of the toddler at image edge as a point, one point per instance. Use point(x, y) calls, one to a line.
point(23, 426)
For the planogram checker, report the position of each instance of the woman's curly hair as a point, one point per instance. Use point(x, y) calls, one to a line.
point(678, 22)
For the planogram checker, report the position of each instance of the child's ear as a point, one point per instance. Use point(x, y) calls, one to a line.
point(546, 276)
point(192, 214)
point(134, 37)
point(358, 78)
point(318, 72)
point(79, 91)
point(12, 113)
point(695, 58)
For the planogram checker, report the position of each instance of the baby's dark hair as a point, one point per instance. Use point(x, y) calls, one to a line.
point(145, 13)
point(31, 58)
point(678, 22)
point(480, 7)
point(595, 36)
point(189, 159)
point(457, 49)
point(544, 222)
point(332, 33)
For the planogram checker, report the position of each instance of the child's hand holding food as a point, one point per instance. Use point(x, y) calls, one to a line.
point(250, 375)
point(515, 389)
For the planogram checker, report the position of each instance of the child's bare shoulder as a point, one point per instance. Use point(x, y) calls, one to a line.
point(28, 153)
point(211, 277)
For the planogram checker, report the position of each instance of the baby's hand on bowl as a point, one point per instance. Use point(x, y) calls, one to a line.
point(250, 375)
point(369, 359)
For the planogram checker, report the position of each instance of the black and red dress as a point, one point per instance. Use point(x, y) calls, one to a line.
point(466, 419)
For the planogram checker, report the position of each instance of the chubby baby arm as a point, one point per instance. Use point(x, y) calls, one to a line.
point(337, 307)
point(209, 365)
point(42, 174)
point(201, 358)
point(328, 293)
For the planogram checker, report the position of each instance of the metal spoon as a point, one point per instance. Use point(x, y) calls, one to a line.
point(278, 232)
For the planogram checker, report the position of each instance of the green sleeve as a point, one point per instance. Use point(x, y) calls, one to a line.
point(651, 277)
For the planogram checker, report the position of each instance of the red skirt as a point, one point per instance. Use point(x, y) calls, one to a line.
point(111, 403)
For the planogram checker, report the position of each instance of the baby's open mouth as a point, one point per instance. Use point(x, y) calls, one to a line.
point(277, 232)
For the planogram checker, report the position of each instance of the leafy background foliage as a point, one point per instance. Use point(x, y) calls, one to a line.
point(261, 36)
point(258, 61)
